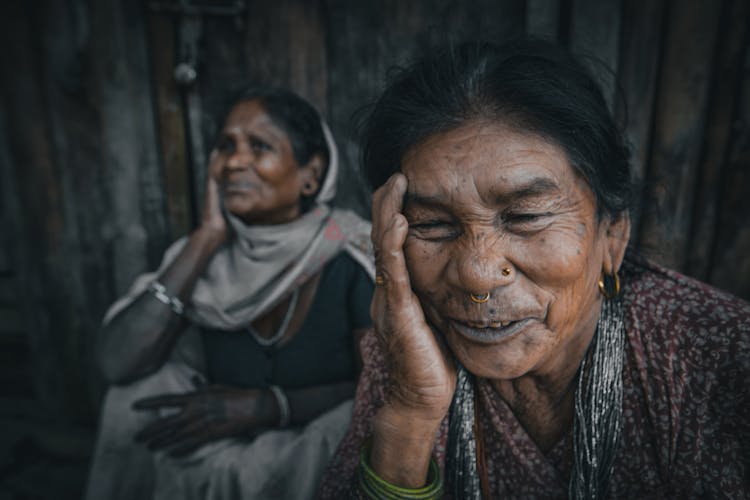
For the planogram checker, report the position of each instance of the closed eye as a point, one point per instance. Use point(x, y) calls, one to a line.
point(526, 221)
point(522, 217)
point(433, 230)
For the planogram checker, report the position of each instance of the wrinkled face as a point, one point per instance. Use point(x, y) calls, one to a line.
point(259, 177)
point(494, 211)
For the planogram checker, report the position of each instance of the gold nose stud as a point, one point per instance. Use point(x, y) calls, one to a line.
point(480, 299)
point(505, 271)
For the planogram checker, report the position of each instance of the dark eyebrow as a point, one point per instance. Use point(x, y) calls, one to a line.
point(536, 187)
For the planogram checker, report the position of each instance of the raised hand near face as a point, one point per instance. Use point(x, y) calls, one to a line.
point(212, 219)
point(422, 376)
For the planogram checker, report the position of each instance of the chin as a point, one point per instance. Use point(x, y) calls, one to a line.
point(503, 358)
point(493, 362)
point(240, 207)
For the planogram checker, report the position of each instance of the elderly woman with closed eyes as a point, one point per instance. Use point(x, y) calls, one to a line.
point(520, 350)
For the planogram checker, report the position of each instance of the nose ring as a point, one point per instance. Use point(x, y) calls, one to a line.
point(505, 271)
point(480, 299)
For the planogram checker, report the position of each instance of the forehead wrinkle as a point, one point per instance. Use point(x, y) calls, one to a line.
point(435, 195)
point(498, 165)
point(259, 121)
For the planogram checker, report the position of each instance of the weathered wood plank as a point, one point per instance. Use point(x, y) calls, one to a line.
point(11, 295)
point(730, 259)
point(223, 69)
point(12, 323)
point(679, 126)
point(153, 201)
point(5, 266)
point(30, 196)
point(595, 34)
point(640, 47)
point(721, 117)
point(171, 126)
point(79, 271)
point(118, 65)
point(543, 18)
point(285, 44)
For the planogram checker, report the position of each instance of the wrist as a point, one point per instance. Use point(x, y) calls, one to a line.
point(402, 444)
point(424, 409)
point(209, 238)
point(396, 425)
point(372, 485)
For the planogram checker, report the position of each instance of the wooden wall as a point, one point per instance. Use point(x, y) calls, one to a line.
point(101, 152)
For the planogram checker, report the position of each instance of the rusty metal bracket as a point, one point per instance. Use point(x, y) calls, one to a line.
point(190, 29)
point(189, 15)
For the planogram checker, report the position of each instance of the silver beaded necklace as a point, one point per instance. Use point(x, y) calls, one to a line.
point(597, 424)
point(267, 342)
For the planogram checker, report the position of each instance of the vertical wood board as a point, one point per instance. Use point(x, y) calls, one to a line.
point(679, 126)
point(722, 116)
point(640, 50)
point(171, 126)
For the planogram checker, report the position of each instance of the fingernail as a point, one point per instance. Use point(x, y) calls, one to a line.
point(400, 180)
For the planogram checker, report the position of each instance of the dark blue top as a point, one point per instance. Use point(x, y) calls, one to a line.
point(321, 352)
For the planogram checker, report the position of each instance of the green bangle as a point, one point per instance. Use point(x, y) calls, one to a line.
point(375, 487)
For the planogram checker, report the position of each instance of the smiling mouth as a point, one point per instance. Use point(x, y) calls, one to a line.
point(489, 332)
point(238, 187)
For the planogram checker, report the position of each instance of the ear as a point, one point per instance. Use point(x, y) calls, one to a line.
point(617, 235)
point(311, 175)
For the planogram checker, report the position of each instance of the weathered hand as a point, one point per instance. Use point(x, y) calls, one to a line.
point(208, 414)
point(212, 218)
point(422, 375)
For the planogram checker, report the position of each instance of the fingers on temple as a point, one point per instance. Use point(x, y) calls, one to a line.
point(392, 263)
point(389, 234)
point(386, 201)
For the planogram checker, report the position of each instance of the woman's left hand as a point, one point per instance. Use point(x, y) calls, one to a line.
point(208, 414)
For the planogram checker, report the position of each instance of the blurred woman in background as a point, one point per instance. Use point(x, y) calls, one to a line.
point(234, 362)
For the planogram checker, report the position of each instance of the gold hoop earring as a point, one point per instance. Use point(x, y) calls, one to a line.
point(480, 299)
point(605, 290)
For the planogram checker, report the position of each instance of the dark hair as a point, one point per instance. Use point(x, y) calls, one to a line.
point(297, 118)
point(531, 85)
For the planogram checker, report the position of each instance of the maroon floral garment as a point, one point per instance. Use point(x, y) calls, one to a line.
point(686, 403)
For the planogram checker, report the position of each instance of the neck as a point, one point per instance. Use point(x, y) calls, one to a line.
point(546, 413)
point(543, 400)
